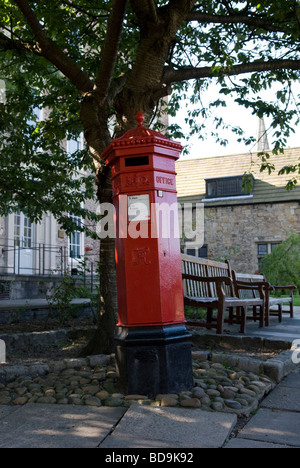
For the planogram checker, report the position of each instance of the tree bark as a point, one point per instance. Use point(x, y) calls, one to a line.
point(141, 89)
point(191, 73)
point(103, 339)
point(94, 119)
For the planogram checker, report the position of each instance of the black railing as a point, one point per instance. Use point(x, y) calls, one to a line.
point(17, 258)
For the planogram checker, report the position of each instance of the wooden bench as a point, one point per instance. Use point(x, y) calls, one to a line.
point(269, 300)
point(208, 284)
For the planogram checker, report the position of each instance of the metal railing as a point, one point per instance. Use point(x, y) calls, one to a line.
point(17, 258)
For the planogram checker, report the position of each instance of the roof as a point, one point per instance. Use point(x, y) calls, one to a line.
point(192, 173)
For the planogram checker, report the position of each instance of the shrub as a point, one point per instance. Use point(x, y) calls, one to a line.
point(282, 266)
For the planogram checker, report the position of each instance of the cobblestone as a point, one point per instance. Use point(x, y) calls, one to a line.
point(93, 382)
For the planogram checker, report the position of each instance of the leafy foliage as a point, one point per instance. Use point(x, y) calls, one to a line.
point(264, 31)
point(37, 174)
point(243, 47)
point(282, 266)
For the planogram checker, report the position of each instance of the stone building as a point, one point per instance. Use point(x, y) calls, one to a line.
point(240, 226)
point(43, 248)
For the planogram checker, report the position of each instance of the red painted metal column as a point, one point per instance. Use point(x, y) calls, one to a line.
point(153, 346)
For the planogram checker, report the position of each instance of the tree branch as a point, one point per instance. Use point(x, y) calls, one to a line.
point(153, 11)
point(145, 10)
point(17, 44)
point(84, 11)
point(9, 44)
point(52, 52)
point(255, 21)
point(193, 73)
point(111, 47)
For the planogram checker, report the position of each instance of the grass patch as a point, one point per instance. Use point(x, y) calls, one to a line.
point(297, 300)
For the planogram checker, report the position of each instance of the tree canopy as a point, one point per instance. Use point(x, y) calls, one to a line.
point(94, 64)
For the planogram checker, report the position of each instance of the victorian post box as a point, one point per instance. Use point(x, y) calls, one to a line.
point(152, 344)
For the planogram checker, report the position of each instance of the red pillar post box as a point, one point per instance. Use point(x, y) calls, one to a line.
point(152, 344)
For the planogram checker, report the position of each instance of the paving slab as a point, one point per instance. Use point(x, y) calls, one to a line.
point(283, 398)
point(155, 427)
point(293, 380)
point(286, 395)
point(247, 443)
point(6, 410)
point(272, 426)
point(121, 441)
point(56, 426)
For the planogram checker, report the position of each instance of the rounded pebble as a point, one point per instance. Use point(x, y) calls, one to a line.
point(216, 388)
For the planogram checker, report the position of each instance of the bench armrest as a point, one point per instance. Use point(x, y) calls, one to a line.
point(291, 288)
point(259, 286)
point(210, 279)
point(252, 285)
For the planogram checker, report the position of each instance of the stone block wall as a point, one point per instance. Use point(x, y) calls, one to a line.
point(35, 287)
point(234, 232)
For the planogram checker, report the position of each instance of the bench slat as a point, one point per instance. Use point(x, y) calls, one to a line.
point(208, 284)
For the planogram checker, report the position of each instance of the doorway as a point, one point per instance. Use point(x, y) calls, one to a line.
point(23, 241)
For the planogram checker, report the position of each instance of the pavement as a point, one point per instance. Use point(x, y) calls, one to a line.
point(275, 424)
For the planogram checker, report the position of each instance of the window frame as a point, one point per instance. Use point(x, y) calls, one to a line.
point(215, 187)
point(270, 246)
point(76, 239)
point(197, 251)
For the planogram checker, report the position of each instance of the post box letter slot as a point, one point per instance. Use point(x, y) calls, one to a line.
point(138, 161)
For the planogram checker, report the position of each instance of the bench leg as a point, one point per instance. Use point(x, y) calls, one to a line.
point(280, 313)
point(220, 320)
point(231, 315)
point(262, 317)
point(267, 316)
point(292, 310)
point(254, 313)
point(244, 311)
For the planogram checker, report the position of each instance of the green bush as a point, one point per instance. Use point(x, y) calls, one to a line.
point(282, 266)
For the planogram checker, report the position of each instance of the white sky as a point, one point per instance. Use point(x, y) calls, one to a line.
point(237, 116)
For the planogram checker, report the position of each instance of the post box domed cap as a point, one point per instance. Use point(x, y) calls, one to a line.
point(142, 135)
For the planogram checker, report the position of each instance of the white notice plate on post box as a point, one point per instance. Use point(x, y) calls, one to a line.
point(138, 207)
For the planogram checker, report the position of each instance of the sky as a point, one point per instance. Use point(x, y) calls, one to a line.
point(235, 115)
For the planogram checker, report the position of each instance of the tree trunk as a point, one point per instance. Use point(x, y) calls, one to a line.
point(103, 339)
point(97, 136)
point(141, 91)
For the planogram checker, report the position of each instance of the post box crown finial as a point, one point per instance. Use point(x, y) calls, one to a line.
point(141, 136)
point(140, 118)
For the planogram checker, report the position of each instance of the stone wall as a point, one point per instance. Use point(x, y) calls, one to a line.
point(234, 232)
point(35, 287)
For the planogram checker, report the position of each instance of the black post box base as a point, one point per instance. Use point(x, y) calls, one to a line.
point(153, 360)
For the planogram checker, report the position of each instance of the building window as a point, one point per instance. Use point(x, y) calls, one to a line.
point(262, 250)
point(201, 252)
point(76, 239)
point(225, 187)
point(23, 231)
point(265, 248)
